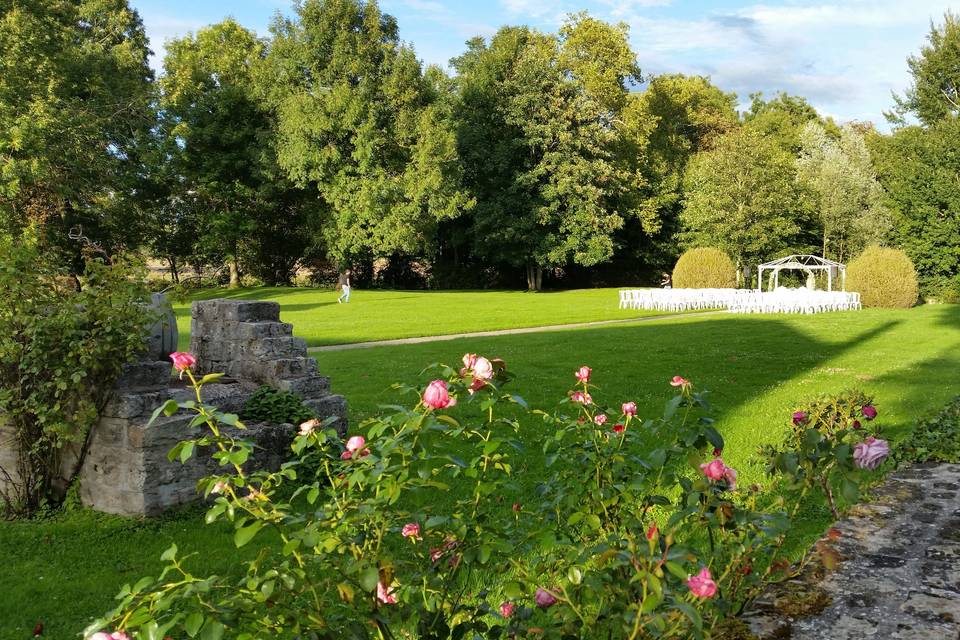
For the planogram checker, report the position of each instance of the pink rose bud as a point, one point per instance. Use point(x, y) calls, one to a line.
point(119, 635)
point(182, 361)
point(856, 424)
point(506, 609)
point(583, 373)
point(702, 584)
point(629, 408)
point(385, 594)
point(308, 427)
point(619, 428)
point(436, 396)
point(356, 442)
point(717, 452)
point(799, 418)
point(346, 455)
point(652, 532)
point(870, 453)
point(435, 554)
point(411, 530)
point(869, 411)
point(679, 381)
point(219, 487)
point(581, 397)
point(544, 598)
point(600, 419)
point(475, 386)
point(100, 635)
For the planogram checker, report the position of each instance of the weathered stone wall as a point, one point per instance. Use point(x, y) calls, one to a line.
point(898, 571)
point(126, 470)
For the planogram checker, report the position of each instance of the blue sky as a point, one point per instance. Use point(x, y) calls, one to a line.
point(845, 56)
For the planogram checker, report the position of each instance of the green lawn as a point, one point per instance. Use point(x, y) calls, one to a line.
point(65, 569)
point(382, 315)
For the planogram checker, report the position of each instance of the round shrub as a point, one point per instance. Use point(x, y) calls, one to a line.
point(883, 277)
point(704, 268)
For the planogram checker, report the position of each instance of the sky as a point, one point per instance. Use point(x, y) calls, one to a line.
point(846, 56)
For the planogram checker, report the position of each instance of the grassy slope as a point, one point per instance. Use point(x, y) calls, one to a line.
point(381, 315)
point(757, 366)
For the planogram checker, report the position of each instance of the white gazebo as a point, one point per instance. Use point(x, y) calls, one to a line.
point(806, 263)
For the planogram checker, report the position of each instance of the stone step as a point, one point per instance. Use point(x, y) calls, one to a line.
point(330, 405)
point(272, 348)
point(145, 375)
point(260, 330)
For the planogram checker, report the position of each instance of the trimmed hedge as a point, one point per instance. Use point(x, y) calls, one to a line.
point(883, 277)
point(704, 268)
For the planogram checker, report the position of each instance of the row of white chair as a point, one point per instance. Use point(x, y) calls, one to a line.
point(782, 300)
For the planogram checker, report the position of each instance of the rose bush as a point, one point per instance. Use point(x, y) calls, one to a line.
point(638, 529)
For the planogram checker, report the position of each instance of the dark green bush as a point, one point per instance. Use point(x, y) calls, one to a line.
point(704, 268)
point(270, 405)
point(883, 277)
point(61, 348)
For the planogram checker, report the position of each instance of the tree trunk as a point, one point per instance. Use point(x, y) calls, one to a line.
point(234, 272)
point(174, 272)
point(539, 278)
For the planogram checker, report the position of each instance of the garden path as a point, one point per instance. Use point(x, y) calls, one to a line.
point(506, 332)
point(898, 575)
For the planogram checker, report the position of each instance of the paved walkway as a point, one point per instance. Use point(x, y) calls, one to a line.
point(899, 571)
point(507, 332)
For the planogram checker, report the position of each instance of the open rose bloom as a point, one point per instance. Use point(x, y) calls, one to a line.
point(716, 470)
point(870, 453)
point(702, 584)
point(436, 395)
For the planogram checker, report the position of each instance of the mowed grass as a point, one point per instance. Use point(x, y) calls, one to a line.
point(383, 314)
point(66, 569)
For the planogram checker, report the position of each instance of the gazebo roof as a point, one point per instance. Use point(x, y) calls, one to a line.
point(799, 261)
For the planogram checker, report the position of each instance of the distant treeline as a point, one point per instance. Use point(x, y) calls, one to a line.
point(544, 159)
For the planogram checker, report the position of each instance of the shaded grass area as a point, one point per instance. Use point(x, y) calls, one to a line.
point(65, 570)
point(384, 314)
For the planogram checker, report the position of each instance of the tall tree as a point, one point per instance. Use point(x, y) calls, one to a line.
point(782, 118)
point(742, 196)
point(359, 122)
point(223, 157)
point(919, 167)
point(539, 131)
point(75, 91)
point(847, 197)
point(935, 92)
point(675, 118)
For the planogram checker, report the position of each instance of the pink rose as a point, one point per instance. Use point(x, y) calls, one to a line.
point(714, 469)
point(435, 554)
point(436, 397)
point(100, 635)
point(544, 598)
point(356, 442)
point(679, 381)
point(600, 419)
point(219, 487)
point(869, 411)
point(308, 427)
point(411, 530)
point(581, 397)
point(182, 361)
point(730, 475)
point(870, 453)
point(482, 369)
point(629, 408)
point(652, 532)
point(506, 609)
point(702, 584)
point(476, 385)
point(799, 418)
point(583, 373)
point(469, 359)
point(119, 635)
point(619, 428)
point(385, 594)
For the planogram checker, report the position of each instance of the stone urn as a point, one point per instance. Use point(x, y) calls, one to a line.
point(162, 335)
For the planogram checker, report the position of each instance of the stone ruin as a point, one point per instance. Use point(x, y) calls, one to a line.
point(125, 470)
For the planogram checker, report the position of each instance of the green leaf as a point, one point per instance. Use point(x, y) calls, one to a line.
point(245, 534)
point(212, 630)
point(849, 490)
point(168, 408)
point(169, 554)
point(193, 623)
point(186, 451)
point(210, 377)
point(369, 578)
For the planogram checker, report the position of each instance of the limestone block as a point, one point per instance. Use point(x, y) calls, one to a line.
point(258, 330)
point(143, 375)
point(330, 405)
point(306, 387)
